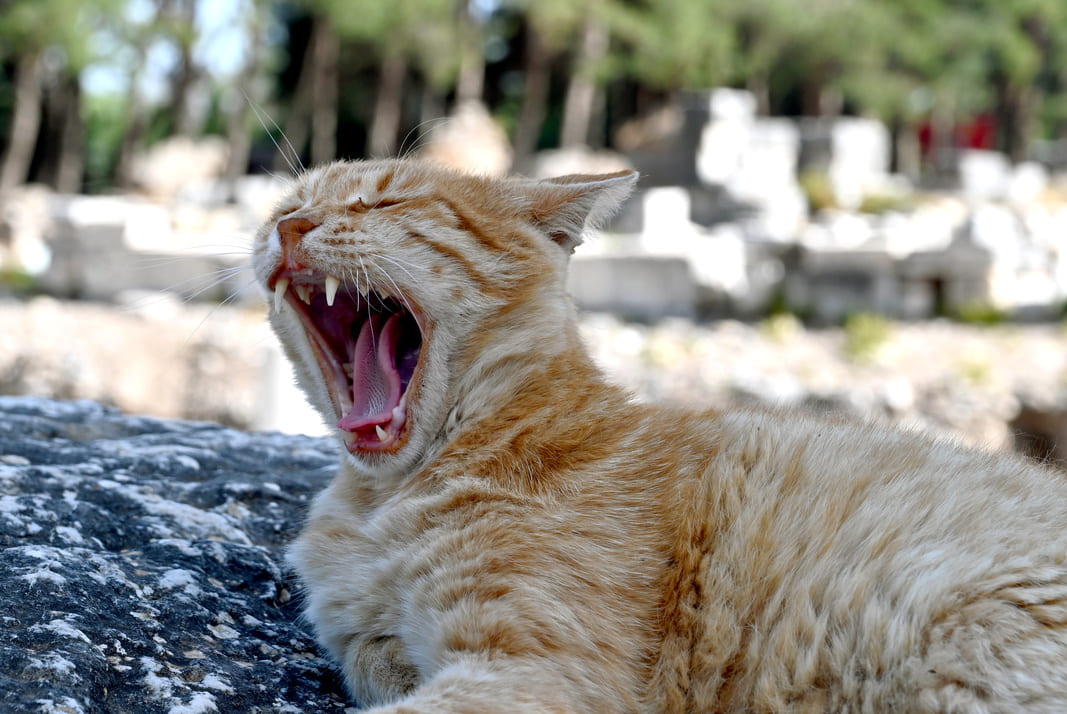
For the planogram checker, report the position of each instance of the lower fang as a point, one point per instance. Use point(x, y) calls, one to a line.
point(382, 433)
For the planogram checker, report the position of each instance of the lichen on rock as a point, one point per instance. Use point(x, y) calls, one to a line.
point(142, 563)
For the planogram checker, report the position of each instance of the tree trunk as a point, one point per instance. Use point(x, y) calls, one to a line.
point(69, 166)
point(432, 106)
point(132, 137)
point(238, 126)
point(290, 145)
point(758, 84)
point(136, 120)
point(326, 49)
point(907, 152)
point(313, 109)
point(1016, 109)
point(471, 81)
point(25, 123)
point(581, 92)
point(536, 76)
point(387, 107)
point(187, 119)
point(817, 97)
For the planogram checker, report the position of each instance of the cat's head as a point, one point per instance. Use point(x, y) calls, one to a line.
point(382, 274)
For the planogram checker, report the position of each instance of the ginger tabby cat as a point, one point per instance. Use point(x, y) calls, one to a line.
point(509, 532)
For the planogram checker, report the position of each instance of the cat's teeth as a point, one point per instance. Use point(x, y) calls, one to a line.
point(332, 284)
point(382, 433)
point(279, 293)
point(304, 293)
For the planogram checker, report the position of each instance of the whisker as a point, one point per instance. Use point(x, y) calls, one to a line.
point(399, 292)
point(406, 271)
point(150, 261)
point(292, 159)
point(215, 308)
point(217, 277)
point(399, 261)
point(287, 181)
point(418, 142)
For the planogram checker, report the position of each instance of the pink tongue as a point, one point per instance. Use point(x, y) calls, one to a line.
point(375, 381)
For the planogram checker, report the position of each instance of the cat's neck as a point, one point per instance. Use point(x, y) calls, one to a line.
point(529, 403)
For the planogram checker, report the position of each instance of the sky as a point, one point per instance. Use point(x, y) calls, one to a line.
point(220, 50)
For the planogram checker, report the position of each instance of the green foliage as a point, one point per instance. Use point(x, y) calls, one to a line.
point(104, 125)
point(679, 43)
point(877, 203)
point(818, 189)
point(17, 280)
point(901, 60)
point(981, 313)
point(30, 26)
point(781, 327)
point(975, 371)
point(425, 31)
point(866, 334)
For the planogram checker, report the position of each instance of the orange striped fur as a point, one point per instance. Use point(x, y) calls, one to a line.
point(536, 541)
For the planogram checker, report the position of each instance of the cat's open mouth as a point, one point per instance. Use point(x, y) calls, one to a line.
point(368, 348)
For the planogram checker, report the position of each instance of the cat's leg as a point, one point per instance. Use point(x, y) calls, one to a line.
point(1002, 654)
point(378, 670)
point(477, 684)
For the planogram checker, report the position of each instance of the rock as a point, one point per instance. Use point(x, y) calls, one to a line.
point(142, 564)
point(23, 219)
point(1028, 181)
point(755, 163)
point(841, 283)
point(1041, 433)
point(156, 356)
point(853, 152)
point(641, 287)
point(984, 175)
point(470, 140)
point(170, 166)
point(576, 160)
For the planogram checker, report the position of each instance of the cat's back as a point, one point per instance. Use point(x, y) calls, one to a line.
point(845, 566)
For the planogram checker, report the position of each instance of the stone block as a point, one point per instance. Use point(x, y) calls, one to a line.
point(830, 285)
point(853, 152)
point(644, 288)
point(983, 175)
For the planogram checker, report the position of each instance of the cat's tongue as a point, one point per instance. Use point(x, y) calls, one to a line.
point(376, 387)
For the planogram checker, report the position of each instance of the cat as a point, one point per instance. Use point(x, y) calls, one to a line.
point(509, 532)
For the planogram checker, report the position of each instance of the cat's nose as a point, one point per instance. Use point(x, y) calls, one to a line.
point(291, 232)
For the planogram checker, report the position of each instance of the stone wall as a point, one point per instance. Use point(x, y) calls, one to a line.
point(826, 228)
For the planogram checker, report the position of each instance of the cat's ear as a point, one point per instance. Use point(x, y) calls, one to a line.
point(566, 206)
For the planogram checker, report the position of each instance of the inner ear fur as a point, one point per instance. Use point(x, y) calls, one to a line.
point(566, 206)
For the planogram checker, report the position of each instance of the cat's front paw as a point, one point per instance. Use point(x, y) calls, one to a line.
point(377, 670)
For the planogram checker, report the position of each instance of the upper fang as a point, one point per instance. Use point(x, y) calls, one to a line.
point(332, 284)
point(304, 293)
point(279, 293)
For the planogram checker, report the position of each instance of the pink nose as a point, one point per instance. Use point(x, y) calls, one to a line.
point(291, 231)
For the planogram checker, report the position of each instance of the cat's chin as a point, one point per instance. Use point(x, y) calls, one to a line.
point(368, 346)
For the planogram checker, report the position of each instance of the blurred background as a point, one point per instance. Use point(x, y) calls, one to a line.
point(845, 205)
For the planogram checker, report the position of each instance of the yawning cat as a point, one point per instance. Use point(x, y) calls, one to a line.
point(508, 532)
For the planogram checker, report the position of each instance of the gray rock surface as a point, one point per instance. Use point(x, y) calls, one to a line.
point(142, 565)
